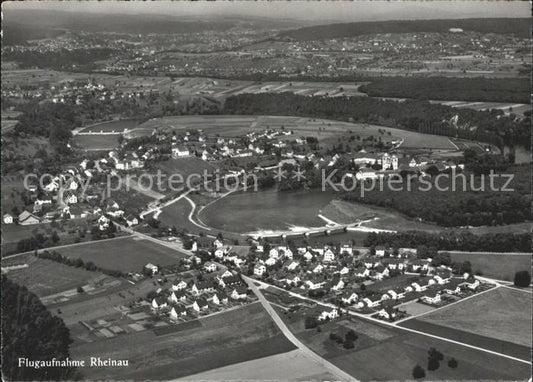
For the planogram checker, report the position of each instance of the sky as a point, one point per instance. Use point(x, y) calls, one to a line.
point(327, 11)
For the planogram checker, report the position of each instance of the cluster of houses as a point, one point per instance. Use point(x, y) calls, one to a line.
point(213, 291)
point(374, 166)
point(73, 195)
point(427, 289)
point(216, 148)
point(341, 272)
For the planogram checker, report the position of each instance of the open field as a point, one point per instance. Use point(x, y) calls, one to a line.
point(96, 142)
point(237, 336)
point(395, 358)
point(126, 255)
point(324, 130)
point(275, 367)
point(345, 212)
point(386, 353)
point(502, 266)
point(414, 308)
point(502, 313)
point(46, 277)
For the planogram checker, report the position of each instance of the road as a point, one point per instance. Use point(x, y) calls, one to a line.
point(334, 370)
point(167, 203)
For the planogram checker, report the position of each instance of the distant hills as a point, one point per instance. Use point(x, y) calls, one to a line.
point(520, 27)
point(21, 25)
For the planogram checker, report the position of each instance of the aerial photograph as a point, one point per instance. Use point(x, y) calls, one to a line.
point(266, 191)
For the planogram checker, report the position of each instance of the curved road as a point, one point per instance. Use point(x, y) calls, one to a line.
point(337, 372)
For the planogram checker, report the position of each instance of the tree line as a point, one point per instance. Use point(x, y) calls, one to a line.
point(445, 88)
point(453, 241)
point(414, 115)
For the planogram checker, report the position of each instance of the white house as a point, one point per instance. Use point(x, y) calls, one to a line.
point(329, 256)
point(8, 219)
point(316, 283)
point(453, 287)
point(179, 285)
point(239, 293)
point(220, 298)
point(210, 267)
point(396, 293)
point(180, 152)
point(432, 297)
point(337, 284)
point(158, 303)
point(259, 270)
point(291, 265)
point(387, 313)
point(347, 249)
point(349, 297)
point(270, 261)
point(200, 304)
point(318, 268)
point(176, 296)
point(292, 279)
point(308, 256)
point(361, 272)
point(151, 268)
point(274, 254)
point(371, 303)
point(471, 283)
point(327, 313)
point(177, 311)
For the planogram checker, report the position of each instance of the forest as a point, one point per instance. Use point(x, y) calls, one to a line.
point(416, 115)
point(30, 331)
point(442, 88)
point(452, 241)
point(460, 208)
point(80, 59)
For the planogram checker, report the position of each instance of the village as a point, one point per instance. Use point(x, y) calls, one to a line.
point(381, 282)
point(82, 190)
point(390, 284)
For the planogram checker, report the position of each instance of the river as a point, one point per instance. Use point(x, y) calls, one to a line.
point(267, 211)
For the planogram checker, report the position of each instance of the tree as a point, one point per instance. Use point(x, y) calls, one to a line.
point(435, 354)
point(28, 328)
point(433, 364)
point(311, 322)
point(522, 279)
point(452, 363)
point(351, 335)
point(348, 344)
point(80, 289)
point(418, 372)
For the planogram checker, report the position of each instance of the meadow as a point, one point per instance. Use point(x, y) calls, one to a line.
point(502, 314)
point(501, 266)
point(232, 337)
point(386, 353)
point(125, 254)
point(96, 142)
point(46, 277)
